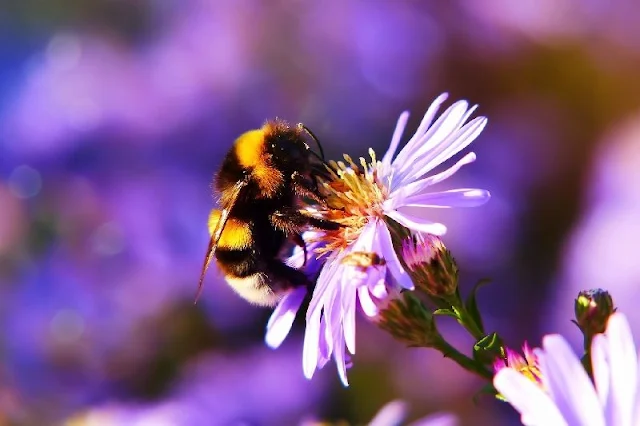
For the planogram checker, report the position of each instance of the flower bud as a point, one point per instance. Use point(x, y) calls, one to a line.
point(407, 320)
point(430, 265)
point(593, 308)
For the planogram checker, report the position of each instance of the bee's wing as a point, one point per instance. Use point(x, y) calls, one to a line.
point(230, 198)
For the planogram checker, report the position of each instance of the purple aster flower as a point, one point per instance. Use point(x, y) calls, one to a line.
point(567, 396)
point(362, 198)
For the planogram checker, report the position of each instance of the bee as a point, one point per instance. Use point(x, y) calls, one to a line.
point(261, 182)
point(363, 260)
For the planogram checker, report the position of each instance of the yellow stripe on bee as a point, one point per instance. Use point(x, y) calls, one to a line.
point(250, 148)
point(251, 154)
point(236, 233)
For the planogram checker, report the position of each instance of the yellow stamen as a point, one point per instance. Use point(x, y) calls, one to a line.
point(353, 195)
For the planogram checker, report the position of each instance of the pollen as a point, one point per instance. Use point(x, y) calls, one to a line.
point(353, 196)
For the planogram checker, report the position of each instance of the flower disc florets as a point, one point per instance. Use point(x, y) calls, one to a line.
point(353, 196)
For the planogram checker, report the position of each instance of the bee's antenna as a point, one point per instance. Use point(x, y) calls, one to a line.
point(306, 129)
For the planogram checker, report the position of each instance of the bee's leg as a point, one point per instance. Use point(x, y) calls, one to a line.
point(297, 238)
point(304, 187)
point(292, 221)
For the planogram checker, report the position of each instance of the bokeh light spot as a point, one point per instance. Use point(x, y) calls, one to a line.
point(67, 326)
point(107, 239)
point(25, 182)
point(64, 51)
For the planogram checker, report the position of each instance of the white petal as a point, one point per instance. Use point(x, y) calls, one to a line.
point(470, 112)
point(600, 364)
point(568, 383)
point(417, 223)
point(385, 248)
point(429, 144)
point(533, 404)
point(426, 121)
point(366, 302)
point(311, 345)
point(366, 238)
point(282, 317)
point(418, 186)
point(332, 311)
point(395, 140)
point(447, 124)
point(422, 128)
point(325, 354)
point(455, 143)
point(623, 364)
point(378, 288)
point(439, 419)
point(392, 414)
point(349, 317)
point(463, 197)
point(340, 358)
point(324, 282)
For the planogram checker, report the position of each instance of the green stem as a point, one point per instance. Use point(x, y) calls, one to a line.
point(462, 360)
point(466, 320)
point(586, 358)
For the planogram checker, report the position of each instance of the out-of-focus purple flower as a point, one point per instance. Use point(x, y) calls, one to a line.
point(393, 413)
point(600, 252)
point(83, 83)
point(254, 387)
point(569, 397)
point(363, 199)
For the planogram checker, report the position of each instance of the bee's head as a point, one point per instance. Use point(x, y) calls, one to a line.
point(287, 147)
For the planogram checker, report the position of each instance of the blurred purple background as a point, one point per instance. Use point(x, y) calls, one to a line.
point(114, 115)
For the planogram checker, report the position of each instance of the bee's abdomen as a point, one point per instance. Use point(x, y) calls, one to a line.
point(254, 288)
point(239, 263)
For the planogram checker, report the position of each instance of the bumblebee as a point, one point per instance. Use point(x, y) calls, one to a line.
point(261, 182)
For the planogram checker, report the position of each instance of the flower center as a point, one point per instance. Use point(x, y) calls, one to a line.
point(353, 195)
point(527, 366)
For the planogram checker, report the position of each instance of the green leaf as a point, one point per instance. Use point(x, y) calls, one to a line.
point(487, 349)
point(446, 312)
point(471, 304)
